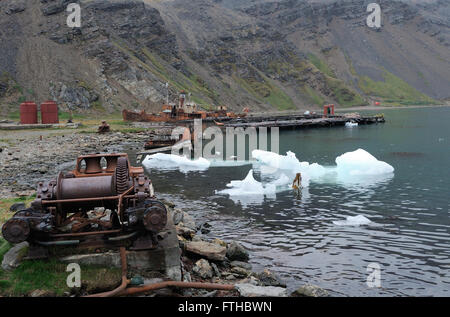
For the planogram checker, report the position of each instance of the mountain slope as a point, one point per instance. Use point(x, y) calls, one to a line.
point(265, 55)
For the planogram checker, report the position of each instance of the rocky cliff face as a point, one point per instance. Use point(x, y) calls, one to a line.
point(260, 54)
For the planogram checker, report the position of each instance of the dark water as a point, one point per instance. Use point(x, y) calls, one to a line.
point(294, 235)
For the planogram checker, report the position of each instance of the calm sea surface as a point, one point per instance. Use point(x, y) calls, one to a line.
point(294, 235)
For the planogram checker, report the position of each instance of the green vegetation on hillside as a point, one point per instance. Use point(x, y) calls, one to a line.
point(344, 95)
point(266, 91)
point(393, 90)
point(312, 95)
point(321, 65)
point(193, 84)
point(315, 72)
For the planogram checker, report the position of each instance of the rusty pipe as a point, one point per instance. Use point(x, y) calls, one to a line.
point(156, 286)
point(119, 206)
point(125, 281)
point(122, 290)
point(78, 200)
point(81, 234)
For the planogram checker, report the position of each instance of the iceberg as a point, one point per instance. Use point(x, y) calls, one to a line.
point(250, 191)
point(353, 221)
point(357, 167)
point(250, 186)
point(290, 164)
point(361, 162)
point(172, 162)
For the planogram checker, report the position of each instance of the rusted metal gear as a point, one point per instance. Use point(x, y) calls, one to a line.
point(122, 175)
point(16, 230)
point(155, 216)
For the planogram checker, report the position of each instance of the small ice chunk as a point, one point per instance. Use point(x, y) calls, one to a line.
point(250, 186)
point(359, 220)
point(351, 124)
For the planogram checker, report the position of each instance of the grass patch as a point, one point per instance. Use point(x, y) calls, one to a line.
point(14, 115)
point(98, 106)
point(394, 90)
point(350, 65)
point(51, 276)
point(4, 247)
point(280, 100)
point(5, 204)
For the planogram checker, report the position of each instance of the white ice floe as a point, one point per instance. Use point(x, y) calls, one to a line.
point(289, 163)
point(360, 163)
point(351, 124)
point(250, 186)
point(250, 191)
point(357, 167)
point(171, 162)
point(359, 220)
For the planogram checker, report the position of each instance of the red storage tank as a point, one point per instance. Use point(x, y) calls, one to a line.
point(28, 113)
point(328, 110)
point(49, 112)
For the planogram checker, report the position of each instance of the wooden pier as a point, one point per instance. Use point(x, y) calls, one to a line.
point(302, 121)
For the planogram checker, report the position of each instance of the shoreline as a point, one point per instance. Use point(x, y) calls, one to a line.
point(373, 108)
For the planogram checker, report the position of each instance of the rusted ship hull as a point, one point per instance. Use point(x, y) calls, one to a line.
point(178, 116)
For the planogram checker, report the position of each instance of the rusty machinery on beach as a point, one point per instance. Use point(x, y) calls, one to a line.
point(66, 213)
point(104, 128)
point(66, 210)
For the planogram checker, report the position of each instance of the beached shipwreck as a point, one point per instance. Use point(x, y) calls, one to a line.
point(184, 111)
point(103, 202)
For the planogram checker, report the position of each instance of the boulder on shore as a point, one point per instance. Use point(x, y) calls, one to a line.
point(14, 256)
point(249, 290)
point(236, 252)
point(211, 251)
point(203, 269)
point(309, 290)
point(268, 278)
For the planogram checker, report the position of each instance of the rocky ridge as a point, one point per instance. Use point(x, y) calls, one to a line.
point(271, 55)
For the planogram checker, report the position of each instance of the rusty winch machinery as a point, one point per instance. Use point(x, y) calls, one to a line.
point(103, 202)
